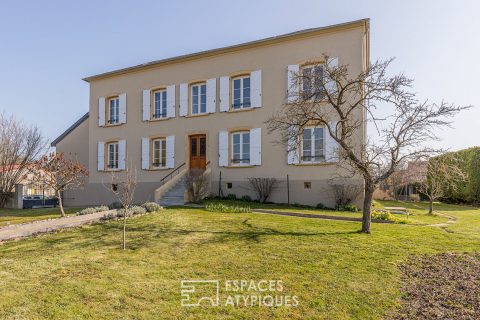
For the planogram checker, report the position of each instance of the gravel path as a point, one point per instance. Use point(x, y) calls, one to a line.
point(16, 231)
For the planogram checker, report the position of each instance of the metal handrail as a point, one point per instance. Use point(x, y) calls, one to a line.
point(170, 175)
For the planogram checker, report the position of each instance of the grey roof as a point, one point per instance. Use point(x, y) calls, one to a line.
point(70, 129)
point(223, 49)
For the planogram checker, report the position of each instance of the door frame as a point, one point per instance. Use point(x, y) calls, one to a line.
point(189, 147)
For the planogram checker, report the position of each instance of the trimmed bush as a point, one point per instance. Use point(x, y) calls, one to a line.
point(232, 196)
point(246, 198)
point(115, 205)
point(132, 211)
point(152, 206)
point(320, 206)
point(93, 210)
point(226, 208)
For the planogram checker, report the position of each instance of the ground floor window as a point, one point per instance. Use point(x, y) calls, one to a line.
point(159, 154)
point(112, 155)
point(241, 148)
point(313, 141)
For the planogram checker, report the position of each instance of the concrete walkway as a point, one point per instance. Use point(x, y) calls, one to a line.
point(16, 231)
point(315, 216)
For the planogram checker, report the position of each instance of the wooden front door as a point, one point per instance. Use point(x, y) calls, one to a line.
point(198, 151)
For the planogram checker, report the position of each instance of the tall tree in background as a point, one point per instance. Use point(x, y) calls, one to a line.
point(443, 173)
point(59, 174)
point(341, 102)
point(20, 145)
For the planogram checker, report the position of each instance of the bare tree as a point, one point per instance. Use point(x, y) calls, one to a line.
point(197, 185)
point(59, 174)
point(341, 102)
point(263, 187)
point(443, 173)
point(20, 145)
point(123, 185)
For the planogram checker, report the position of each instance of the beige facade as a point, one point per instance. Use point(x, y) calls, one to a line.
point(308, 182)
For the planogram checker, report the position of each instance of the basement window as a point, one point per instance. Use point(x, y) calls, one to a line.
point(229, 185)
point(307, 185)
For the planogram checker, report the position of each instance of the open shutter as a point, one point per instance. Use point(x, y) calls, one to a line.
point(256, 147)
point(145, 153)
point(211, 95)
point(224, 94)
point(293, 88)
point(101, 156)
point(171, 101)
point(122, 154)
point(331, 85)
point(101, 111)
point(122, 100)
point(331, 146)
point(183, 99)
point(223, 148)
point(256, 88)
point(170, 141)
point(292, 146)
point(146, 105)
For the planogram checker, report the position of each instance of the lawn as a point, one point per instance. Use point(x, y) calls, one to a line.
point(15, 216)
point(336, 272)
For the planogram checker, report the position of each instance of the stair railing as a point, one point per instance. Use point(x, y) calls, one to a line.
point(172, 174)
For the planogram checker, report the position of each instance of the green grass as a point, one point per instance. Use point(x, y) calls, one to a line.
point(15, 216)
point(336, 272)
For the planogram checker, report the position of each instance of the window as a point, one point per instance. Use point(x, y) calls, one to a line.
point(241, 148)
point(199, 98)
point(112, 155)
point(307, 185)
point(241, 93)
point(313, 145)
point(159, 154)
point(312, 82)
point(160, 104)
point(229, 185)
point(113, 110)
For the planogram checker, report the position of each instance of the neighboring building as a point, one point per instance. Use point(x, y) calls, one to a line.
point(207, 110)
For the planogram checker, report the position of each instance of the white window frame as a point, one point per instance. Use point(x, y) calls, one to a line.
point(312, 146)
point(198, 85)
point(115, 155)
point(241, 134)
point(162, 102)
point(314, 95)
point(161, 162)
point(116, 113)
point(242, 97)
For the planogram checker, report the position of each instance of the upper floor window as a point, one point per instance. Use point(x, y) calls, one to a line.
point(313, 142)
point(241, 147)
point(199, 98)
point(241, 92)
point(159, 154)
point(312, 82)
point(112, 155)
point(113, 110)
point(160, 104)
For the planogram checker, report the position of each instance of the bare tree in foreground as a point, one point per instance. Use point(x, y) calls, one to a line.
point(197, 185)
point(342, 102)
point(263, 187)
point(59, 174)
point(123, 185)
point(443, 173)
point(20, 145)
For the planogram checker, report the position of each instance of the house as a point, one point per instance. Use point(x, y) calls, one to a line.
point(207, 111)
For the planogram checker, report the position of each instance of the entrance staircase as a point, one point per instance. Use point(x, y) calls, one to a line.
point(175, 195)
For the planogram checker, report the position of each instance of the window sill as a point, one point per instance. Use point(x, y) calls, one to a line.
point(157, 169)
point(198, 115)
point(234, 166)
point(112, 170)
point(159, 119)
point(309, 164)
point(113, 124)
point(239, 110)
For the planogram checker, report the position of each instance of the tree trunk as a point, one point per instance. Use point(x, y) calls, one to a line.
point(60, 203)
point(124, 229)
point(367, 208)
point(430, 207)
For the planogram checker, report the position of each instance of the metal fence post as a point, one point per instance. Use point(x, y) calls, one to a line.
point(288, 190)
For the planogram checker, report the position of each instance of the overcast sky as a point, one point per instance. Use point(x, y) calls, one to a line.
point(46, 47)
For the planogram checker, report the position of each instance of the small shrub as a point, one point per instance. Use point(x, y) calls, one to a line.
point(247, 198)
point(382, 215)
point(132, 211)
point(115, 205)
point(320, 206)
point(232, 196)
point(152, 206)
point(263, 187)
point(351, 208)
point(225, 208)
point(197, 185)
point(93, 210)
